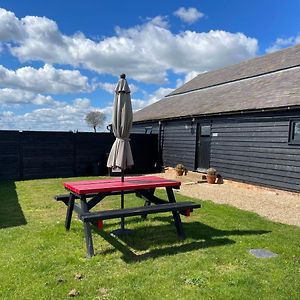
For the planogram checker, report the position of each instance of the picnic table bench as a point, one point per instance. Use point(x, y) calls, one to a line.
point(91, 192)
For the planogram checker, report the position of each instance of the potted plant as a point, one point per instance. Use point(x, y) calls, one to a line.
point(211, 175)
point(180, 170)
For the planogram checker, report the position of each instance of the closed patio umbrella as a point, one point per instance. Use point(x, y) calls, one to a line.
point(120, 156)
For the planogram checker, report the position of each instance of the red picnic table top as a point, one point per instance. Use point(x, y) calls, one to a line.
point(85, 187)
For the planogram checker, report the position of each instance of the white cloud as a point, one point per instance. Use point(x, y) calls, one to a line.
point(138, 104)
point(10, 97)
point(82, 102)
point(283, 43)
point(188, 15)
point(63, 117)
point(110, 87)
point(145, 52)
point(10, 26)
point(159, 94)
point(189, 76)
point(44, 80)
point(160, 21)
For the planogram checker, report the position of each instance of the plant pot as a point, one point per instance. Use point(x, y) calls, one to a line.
point(179, 173)
point(211, 178)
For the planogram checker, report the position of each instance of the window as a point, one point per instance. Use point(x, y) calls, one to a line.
point(148, 130)
point(295, 132)
point(205, 130)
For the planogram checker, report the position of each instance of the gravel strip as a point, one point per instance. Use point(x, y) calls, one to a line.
point(276, 205)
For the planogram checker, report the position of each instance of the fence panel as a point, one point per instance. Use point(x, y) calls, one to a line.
point(32, 154)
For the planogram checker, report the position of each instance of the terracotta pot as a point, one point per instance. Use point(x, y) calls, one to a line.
point(211, 178)
point(179, 173)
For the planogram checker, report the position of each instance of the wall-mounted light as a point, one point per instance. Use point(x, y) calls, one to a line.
point(192, 126)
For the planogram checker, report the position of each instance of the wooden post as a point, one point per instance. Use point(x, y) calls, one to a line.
point(21, 166)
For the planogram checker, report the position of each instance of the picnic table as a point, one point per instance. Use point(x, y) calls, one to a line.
point(91, 192)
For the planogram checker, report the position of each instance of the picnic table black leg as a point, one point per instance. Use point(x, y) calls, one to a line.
point(147, 203)
point(176, 215)
point(69, 211)
point(87, 229)
point(122, 207)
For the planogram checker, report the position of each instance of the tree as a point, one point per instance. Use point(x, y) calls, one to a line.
point(95, 119)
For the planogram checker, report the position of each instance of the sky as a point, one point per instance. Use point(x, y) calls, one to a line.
point(59, 60)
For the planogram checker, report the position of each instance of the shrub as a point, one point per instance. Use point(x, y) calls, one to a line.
point(211, 171)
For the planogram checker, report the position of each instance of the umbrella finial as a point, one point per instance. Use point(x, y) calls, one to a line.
point(123, 76)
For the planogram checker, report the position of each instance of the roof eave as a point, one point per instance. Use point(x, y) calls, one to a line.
point(238, 112)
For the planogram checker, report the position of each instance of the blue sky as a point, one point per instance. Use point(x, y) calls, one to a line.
point(61, 59)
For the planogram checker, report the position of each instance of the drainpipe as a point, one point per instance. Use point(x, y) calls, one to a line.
point(160, 161)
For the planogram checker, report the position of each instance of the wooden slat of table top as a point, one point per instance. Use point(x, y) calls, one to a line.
point(114, 184)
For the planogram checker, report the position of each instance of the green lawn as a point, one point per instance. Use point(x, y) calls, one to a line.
point(39, 259)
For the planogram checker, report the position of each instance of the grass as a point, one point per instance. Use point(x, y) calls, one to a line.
point(39, 260)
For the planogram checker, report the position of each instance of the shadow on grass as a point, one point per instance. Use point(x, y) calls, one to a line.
point(11, 213)
point(164, 236)
point(130, 257)
point(204, 231)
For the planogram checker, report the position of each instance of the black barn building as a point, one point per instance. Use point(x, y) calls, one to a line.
point(243, 120)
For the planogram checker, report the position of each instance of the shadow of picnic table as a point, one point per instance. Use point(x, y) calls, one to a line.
point(11, 213)
point(165, 240)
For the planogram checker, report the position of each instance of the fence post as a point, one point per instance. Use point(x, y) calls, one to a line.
point(74, 153)
point(20, 148)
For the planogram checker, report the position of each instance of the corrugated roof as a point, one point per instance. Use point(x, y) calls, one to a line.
point(272, 81)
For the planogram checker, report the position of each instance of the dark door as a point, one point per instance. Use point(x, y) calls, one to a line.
point(203, 147)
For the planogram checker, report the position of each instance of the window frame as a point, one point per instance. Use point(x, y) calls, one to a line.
point(148, 129)
point(203, 134)
point(292, 126)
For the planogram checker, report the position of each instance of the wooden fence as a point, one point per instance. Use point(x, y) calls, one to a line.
point(40, 154)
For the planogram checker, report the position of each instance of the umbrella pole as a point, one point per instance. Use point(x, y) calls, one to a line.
point(122, 202)
point(122, 230)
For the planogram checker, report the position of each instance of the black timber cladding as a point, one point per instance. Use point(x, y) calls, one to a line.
point(178, 141)
point(250, 106)
point(32, 154)
point(46, 154)
point(141, 128)
point(256, 151)
point(10, 154)
point(252, 148)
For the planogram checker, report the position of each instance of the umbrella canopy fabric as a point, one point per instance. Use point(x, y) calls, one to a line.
point(120, 155)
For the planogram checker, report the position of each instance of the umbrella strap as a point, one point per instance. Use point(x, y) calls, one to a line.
point(123, 139)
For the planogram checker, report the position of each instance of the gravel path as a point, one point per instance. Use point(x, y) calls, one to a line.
point(276, 205)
